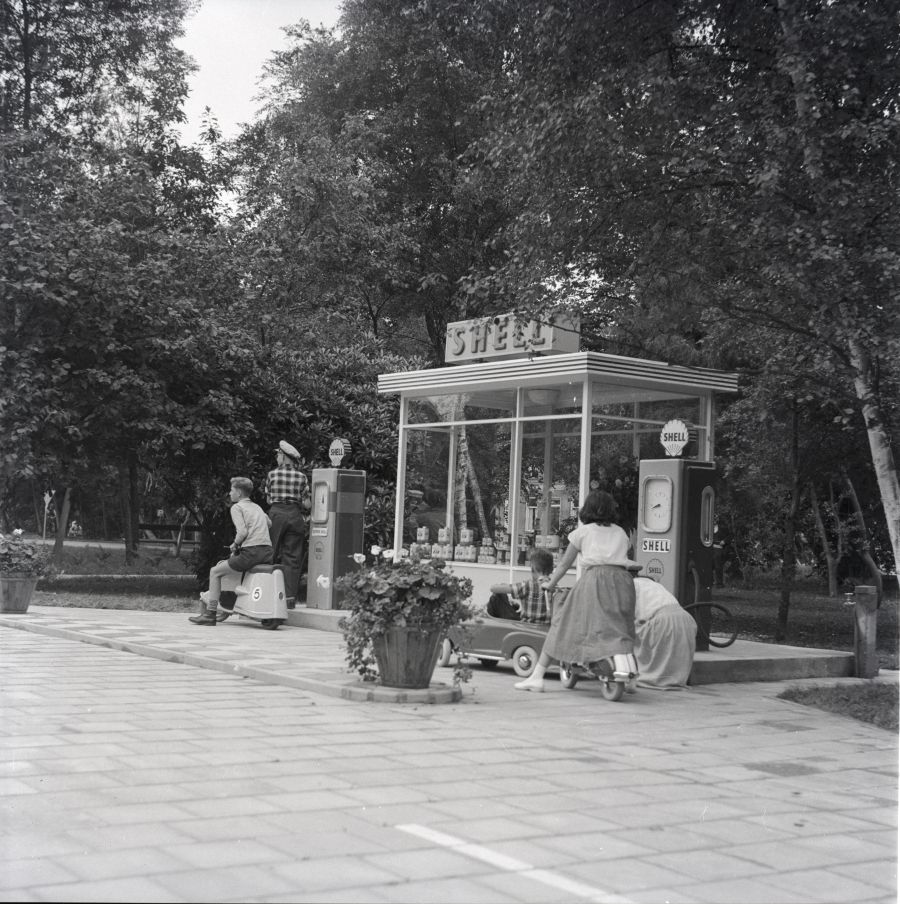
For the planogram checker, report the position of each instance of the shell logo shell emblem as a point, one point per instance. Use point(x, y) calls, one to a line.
point(674, 437)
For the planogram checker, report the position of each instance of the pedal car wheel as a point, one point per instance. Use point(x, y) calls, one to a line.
point(524, 659)
point(612, 690)
point(568, 676)
point(270, 624)
point(489, 663)
point(445, 652)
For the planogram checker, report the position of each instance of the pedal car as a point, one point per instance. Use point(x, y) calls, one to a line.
point(493, 640)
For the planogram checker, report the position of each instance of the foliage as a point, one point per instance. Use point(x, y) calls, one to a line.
point(104, 224)
point(92, 70)
point(361, 152)
point(308, 397)
point(21, 556)
point(108, 325)
point(722, 180)
point(707, 183)
point(384, 594)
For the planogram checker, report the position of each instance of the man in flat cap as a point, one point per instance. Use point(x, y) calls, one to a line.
point(285, 493)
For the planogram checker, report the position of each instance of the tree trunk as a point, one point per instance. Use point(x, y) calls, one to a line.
point(840, 539)
point(62, 521)
point(459, 483)
point(477, 499)
point(127, 518)
point(880, 446)
point(789, 537)
point(135, 504)
point(104, 519)
point(179, 540)
point(37, 497)
point(864, 549)
point(830, 557)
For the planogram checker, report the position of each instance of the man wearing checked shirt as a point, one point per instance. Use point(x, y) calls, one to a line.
point(286, 495)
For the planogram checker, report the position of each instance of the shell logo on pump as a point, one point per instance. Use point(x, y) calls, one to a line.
point(654, 569)
point(338, 451)
point(674, 437)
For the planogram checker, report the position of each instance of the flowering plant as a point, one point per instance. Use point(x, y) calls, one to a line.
point(383, 594)
point(20, 556)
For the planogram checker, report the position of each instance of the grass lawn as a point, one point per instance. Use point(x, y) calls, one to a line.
point(814, 618)
point(875, 703)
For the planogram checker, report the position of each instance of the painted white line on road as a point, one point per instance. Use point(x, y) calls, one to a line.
point(511, 864)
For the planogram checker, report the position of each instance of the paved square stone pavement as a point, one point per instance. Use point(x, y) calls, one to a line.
point(145, 759)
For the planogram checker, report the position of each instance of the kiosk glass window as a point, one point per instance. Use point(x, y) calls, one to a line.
point(480, 490)
point(548, 485)
point(614, 464)
point(458, 477)
point(428, 452)
point(659, 411)
point(640, 415)
point(562, 398)
point(462, 406)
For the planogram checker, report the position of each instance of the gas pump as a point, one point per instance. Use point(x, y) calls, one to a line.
point(335, 531)
point(674, 543)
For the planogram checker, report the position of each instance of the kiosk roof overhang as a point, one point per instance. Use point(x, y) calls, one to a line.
point(515, 372)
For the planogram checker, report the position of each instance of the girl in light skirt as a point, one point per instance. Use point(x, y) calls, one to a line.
point(596, 620)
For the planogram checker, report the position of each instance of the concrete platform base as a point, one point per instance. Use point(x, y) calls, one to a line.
point(319, 619)
point(747, 660)
point(744, 660)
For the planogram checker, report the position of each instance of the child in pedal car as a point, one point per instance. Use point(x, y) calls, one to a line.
point(530, 596)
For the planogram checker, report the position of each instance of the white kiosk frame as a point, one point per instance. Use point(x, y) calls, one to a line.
point(596, 398)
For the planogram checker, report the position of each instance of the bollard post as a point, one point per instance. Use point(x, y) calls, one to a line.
point(865, 620)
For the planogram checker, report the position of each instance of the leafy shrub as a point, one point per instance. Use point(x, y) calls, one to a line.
point(387, 594)
point(21, 556)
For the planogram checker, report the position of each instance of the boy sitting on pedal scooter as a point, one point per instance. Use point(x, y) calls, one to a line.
point(529, 594)
point(252, 546)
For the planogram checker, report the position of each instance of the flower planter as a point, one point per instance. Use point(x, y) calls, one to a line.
point(407, 656)
point(398, 615)
point(15, 592)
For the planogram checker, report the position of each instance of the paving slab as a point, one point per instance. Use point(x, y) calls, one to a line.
point(143, 759)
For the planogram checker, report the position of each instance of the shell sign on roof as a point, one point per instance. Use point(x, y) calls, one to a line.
point(507, 336)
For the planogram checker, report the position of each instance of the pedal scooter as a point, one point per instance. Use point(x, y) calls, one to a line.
point(616, 674)
point(257, 594)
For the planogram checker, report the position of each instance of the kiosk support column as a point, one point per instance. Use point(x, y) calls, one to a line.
point(401, 477)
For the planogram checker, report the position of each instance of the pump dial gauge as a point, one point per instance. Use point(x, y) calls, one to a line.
point(320, 501)
point(656, 506)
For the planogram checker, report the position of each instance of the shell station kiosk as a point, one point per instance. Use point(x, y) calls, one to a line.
point(498, 448)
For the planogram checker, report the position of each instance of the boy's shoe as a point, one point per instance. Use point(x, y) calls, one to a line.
point(222, 614)
point(291, 602)
point(208, 618)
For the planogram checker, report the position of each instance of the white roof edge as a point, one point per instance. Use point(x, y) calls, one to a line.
point(547, 367)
